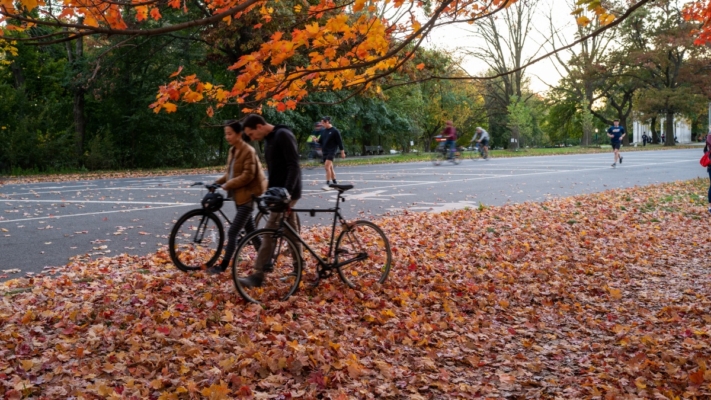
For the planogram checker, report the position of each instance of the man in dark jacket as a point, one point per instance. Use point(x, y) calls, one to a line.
point(282, 157)
point(331, 142)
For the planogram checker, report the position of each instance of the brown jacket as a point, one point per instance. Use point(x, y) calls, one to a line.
point(247, 175)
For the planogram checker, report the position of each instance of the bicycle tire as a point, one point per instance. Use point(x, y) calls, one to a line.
point(456, 158)
point(282, 281)
point(355, 239)
point(191, 254)
point(437, 158)
point(260, 221)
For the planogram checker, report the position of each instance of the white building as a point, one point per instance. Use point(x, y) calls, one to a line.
point(682, 129)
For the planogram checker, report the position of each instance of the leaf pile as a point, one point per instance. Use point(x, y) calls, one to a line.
point(600, 295)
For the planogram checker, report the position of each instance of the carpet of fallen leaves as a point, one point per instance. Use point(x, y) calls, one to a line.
point(596, 296)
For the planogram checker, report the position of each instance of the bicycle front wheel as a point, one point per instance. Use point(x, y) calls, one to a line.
point(280, 260)
point(365, 251)
point(196, 240)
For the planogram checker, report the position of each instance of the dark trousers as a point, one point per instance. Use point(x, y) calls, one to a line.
point(243, 220)
point(709, 194)
point(265, 251)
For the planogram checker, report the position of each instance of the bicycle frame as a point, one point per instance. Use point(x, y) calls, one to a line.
point(337, 217)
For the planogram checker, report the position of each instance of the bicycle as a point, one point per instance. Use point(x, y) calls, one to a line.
point(441, 153)
point(198, 236)
point(361, 255)
point(479, 152)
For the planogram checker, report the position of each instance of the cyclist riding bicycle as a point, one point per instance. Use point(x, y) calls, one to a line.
point(483, 140)
point(450, 134)
point(243, 180)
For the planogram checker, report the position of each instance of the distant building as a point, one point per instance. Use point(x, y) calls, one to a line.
point(682, 129)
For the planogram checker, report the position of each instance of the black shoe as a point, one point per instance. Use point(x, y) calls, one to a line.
point(334, 182)
point(215, 270)
point(254, 280)
point(620, 159)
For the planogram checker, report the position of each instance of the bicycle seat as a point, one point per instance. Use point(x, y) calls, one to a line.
point(341, 188)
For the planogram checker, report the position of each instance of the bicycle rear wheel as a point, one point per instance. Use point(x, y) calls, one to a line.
point(368, 249)
point(285, 275)
point(196, 240)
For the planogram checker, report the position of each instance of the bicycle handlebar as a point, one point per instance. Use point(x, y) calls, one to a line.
point(210, 186)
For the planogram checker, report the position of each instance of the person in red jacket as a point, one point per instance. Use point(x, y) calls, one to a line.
point(450, 134)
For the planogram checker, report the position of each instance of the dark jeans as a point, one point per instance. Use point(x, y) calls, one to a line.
point(243, 219)
point(709, 194)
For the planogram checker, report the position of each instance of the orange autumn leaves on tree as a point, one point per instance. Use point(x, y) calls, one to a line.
point(700, 11)
point(331, 46)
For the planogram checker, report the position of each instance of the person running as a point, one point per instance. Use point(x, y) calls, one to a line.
point(616, 133)
point(313, 140)
point(282, 158)
point(243, 180)
point(330, 142)
point(450, 134)
point(483, 140)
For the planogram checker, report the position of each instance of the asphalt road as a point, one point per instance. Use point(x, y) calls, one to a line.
point(43, 224)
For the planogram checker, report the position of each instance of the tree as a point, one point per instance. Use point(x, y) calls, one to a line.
point(660, 44)
point(352, 44)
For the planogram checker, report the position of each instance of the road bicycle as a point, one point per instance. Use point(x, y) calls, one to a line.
point(442, 153)
point(479, 152)
point(361, 255)
point(198, 236)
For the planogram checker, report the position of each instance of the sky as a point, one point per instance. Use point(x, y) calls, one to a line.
point(543, 73)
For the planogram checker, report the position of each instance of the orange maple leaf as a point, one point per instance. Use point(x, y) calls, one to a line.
point(155, 14)
point(421, 66)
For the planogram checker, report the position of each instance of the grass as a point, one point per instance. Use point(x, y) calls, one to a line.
point(18, 175)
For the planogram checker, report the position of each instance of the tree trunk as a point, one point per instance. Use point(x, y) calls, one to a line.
point(79, 120)
point(669, 129)
point(18, 75)
point(653, 126)
point(623, 123)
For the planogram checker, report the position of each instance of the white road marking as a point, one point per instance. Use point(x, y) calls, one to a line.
point(94, 213)
point(97, 202)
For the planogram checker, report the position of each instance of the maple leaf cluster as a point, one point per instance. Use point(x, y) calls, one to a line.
point(604, 295)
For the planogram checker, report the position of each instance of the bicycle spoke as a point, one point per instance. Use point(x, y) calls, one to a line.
point(365, 251)
point(196, 240)
point(278, 259)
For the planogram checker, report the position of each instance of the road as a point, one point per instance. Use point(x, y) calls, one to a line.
point(43, 224)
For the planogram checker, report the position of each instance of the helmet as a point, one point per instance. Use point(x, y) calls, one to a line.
point(212, 201)
point(276, 199)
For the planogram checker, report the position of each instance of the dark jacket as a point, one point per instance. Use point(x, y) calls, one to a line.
point(707, 148)
point(247, 176)
point(331, 140)
point(282, 157)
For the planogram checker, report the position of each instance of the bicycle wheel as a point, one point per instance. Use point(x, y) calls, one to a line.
point(366, 250)
point(260, 221)
point(457, 158)
point(437, 158)
point(196, 240)
point(285, 275)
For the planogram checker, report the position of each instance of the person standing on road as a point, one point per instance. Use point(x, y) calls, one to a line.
point(450, 134)
point(644, 139)
point(331, 142)
point(616, 133)
point(243, 180)
point(282, 157)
